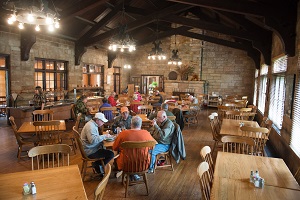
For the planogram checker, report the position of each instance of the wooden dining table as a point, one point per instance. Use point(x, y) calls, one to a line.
point(52, 183)
point(28, 127)
point(232, 174)
point(232, 126)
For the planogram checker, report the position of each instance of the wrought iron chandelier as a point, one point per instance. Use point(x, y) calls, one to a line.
point(36, 13)
point(174, 59)
point(157, 52)
point(122, 40)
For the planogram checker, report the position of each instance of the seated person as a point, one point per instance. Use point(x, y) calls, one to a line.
point(108, 113)
point(134, 107)
point(80, 107)
point(193, 99)
point(133, 134)
point(111, 99)
point(92, 142)
point(124, 120)
point(138, 95)
point(162, 131)
point(164, 107)
point(160, 101)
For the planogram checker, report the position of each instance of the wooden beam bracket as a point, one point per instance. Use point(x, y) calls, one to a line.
point(28, 39)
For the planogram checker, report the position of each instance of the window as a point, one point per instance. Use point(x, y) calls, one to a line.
point(295, 137)
point(277, 97)
point(277, 91)
point(51, 75)
point(255, 87)
point(93, 75)
point(262, 88)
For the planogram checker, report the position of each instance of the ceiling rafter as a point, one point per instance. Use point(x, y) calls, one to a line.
point(140, 22)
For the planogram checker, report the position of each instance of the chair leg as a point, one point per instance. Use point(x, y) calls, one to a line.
point(146, 182)
point(170, 160)
point(83, 170)
point(19, 152)
point(126, 186)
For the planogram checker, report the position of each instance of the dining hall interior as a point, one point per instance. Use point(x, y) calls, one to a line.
point(228, 71)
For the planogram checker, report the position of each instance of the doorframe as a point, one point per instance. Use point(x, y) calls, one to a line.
point(8, 79)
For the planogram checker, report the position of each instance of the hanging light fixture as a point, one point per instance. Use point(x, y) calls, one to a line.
point(36, 13)
point(174, 59)
point(156, 53)
point(122, 40)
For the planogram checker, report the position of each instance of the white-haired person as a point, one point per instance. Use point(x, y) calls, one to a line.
point(92, 142)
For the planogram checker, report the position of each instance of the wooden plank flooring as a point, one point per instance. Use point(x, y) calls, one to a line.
point(182, 183)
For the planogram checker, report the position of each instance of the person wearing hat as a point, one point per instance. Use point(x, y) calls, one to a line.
point(164, 107)
point(124, 120)
point(92, 142)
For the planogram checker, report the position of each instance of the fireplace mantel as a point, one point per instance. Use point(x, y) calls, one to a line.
point(183, 86)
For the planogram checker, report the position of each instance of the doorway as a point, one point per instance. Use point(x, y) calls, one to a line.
point(4, 88)
point(151, 83)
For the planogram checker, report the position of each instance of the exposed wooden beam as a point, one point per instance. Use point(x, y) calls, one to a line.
point(81, 8)
point(140, 22)
point(240, 6)
point(100, 24)
point(87, 22)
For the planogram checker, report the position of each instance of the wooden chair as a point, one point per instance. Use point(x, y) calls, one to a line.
point(70, 135)
point(248, 116)
point(222, 110)
point(84, 157)
point(99, 192)
point(297, 176)
point(231, 114)
point(48, 155)
point(47, 132)
point(165, 157)
point(205, 180)
point(20, 140)
point(266, 123)
point(238, 144)
point(42, 115)
point(254, 108)
point(192, 115)
point(136, 161)
point(260, 136)
point(145, 109)
point(215, 133)
point(134, 105)
point(206, 156)
point(107, 110)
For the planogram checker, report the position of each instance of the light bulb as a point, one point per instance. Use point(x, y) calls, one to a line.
point(51, 28)
point(56, 24)
point(30, 17)
point(13, 17)
point(169, 62)
point(122, 50)
point(179, 63)
point(110, 48)
point(21, 26)
point(49, 20)
point(129, 66)
point(9, 21)
point(37, 28)
point(149, 57)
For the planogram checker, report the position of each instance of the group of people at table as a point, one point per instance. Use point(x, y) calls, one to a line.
point(161, 131)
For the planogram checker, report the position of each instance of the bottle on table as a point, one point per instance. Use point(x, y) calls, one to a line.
point(33, 188)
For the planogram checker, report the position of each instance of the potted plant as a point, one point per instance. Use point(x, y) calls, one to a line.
point(184, 71)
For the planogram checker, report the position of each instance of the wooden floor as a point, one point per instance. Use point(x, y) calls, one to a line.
point(182, 183)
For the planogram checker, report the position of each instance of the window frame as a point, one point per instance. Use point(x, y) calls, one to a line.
point(56, 92)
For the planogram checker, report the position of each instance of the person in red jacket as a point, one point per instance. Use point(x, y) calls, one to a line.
point(111, 99)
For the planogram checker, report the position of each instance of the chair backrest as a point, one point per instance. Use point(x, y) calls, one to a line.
point(109, 112)
point(214, 128)
point(49, 155)
point(259, 134)
point(47, 132)
point(238, 144)
point(77, 123)
point(145, 109)
point(245, 109)
point(99, 192)
point(134, 105)
point(205, 180)
point(231, 114)
point(79, 143)
point(74, 116)
point(15, 129)
point(136, 156)
point(205, 154)
point(42, 115)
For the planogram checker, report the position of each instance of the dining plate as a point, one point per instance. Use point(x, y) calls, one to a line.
point(109, 139)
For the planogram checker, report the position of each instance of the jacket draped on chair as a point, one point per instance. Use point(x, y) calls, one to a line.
point(177, 147)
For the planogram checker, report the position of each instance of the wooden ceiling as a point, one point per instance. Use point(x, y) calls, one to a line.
point(246, 24)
